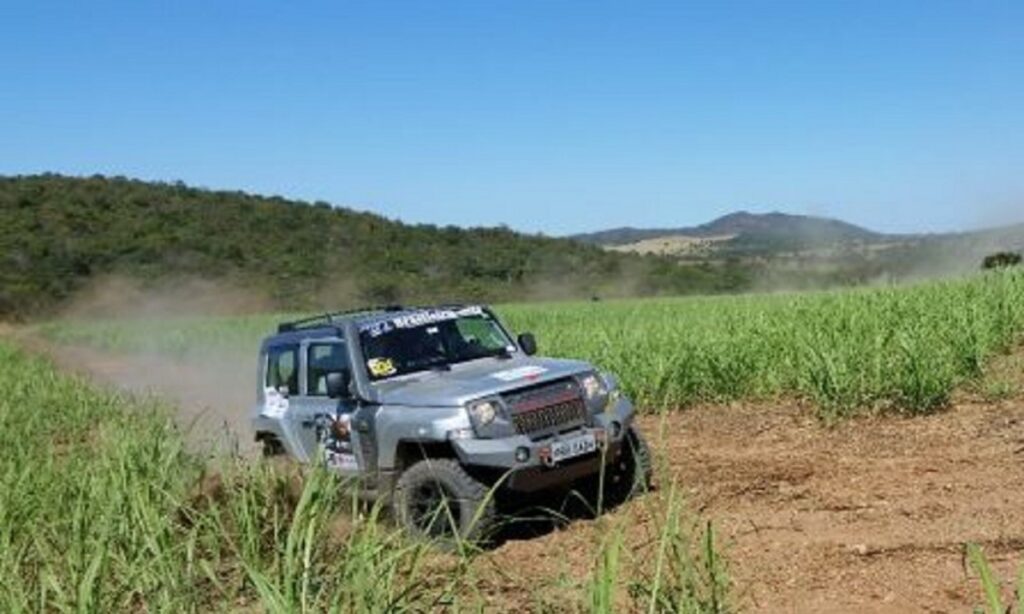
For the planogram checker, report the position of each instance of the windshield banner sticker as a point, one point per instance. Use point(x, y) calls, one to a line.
point(511, 375)
point(419, 318)
point(381, 367)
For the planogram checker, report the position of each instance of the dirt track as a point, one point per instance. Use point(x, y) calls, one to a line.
point(868, 516)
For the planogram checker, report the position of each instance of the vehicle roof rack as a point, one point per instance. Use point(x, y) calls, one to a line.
point(326, 319)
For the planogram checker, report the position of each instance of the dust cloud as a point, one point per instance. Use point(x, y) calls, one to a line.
point(210, 398)
point(549, 289)
point(116, 296)
point(211, 392)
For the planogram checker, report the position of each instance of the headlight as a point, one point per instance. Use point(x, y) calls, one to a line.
point(594, 388)
point(483, 412)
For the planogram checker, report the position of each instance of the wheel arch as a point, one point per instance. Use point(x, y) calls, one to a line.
point(411, 451)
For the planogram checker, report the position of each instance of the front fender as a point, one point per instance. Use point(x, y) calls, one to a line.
point(620, 410)
point(397, 423)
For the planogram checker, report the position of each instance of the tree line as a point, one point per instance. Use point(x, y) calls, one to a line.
point(61, 233)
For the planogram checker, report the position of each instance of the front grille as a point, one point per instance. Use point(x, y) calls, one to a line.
point(551, 418)
point(547, 408)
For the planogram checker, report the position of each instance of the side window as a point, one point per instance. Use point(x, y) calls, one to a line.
point(323, 358)
point(283, 368)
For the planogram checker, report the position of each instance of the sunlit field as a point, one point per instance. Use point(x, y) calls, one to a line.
point(902, 348)
point(102, 509)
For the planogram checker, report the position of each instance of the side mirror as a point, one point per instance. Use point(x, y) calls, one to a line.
point(527, 343)
point(338, 383)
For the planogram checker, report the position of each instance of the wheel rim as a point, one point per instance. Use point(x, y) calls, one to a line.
point(433, 509)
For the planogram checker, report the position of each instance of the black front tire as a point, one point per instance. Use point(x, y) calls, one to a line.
point(436, 499)
point(631, 473)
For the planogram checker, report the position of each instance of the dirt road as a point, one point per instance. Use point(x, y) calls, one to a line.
point(869, 516)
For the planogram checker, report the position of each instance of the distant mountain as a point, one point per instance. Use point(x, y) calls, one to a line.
point(799, 250)
point(772, 227)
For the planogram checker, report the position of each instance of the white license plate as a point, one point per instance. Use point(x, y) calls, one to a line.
point(573, 447)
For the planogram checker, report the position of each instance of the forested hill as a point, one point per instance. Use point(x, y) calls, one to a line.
point(60, 233)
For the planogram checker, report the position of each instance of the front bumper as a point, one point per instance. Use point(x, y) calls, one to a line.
point(534, 472)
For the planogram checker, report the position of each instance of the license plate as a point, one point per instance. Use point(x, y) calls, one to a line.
point(573, 447)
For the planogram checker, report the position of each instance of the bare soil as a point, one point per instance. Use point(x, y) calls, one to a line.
point(870, 515)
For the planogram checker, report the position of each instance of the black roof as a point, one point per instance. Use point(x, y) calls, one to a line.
point(328, 319)
point(331, 319)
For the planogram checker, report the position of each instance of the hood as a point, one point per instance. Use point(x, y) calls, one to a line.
point(474, 379)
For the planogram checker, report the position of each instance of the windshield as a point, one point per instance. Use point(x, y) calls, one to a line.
point(431, 340)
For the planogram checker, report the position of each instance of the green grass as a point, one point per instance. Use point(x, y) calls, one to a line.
point(990, 584)
point(102, 509)
point(901, 348)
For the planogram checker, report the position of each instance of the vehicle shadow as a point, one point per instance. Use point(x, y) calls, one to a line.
point(526, 517)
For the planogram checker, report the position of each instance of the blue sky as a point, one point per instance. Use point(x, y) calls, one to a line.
point(550, 116)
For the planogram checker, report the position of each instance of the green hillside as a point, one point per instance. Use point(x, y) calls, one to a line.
point(59, 234)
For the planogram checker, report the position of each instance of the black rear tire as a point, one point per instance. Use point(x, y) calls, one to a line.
point(631, 474)
point(436, 499)
point(271, 446)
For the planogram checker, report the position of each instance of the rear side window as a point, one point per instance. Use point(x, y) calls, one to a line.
point(283, 368)
point(323, 358)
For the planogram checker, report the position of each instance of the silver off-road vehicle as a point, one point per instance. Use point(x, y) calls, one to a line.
point(438, 408)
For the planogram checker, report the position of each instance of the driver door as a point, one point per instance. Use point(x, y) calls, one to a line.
point(322, 423)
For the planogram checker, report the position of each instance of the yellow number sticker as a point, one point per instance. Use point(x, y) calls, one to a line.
point(381, 367)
